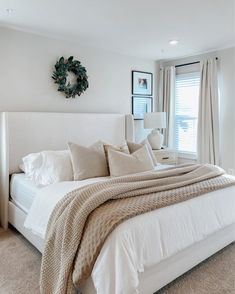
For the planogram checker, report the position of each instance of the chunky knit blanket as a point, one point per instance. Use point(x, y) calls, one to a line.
point(82, 220)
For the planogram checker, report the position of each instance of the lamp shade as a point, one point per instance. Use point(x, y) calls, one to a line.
point(155, 120)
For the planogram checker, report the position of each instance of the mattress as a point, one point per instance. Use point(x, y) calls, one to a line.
point(22, 191)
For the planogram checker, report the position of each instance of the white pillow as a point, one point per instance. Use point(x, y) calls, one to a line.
point(121, 164)
point(48, 167)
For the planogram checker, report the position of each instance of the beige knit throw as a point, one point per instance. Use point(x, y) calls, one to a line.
point(83, 219)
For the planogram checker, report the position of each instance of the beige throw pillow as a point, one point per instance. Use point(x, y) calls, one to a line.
point(134, 147)
point(122, 148)
point(121, 164)
point(88, 162)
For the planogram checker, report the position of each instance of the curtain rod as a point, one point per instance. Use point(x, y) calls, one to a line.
point(191, 63)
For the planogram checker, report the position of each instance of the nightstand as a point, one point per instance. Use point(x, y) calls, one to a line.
point(166, 156)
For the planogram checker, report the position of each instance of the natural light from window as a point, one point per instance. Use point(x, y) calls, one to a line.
point(186, 112)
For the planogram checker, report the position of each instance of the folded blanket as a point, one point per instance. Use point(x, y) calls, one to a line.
point(83, 219)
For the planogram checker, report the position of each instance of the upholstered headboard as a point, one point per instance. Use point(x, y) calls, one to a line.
point(22, 133)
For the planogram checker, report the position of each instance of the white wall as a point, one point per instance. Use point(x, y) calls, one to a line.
point(226, 66)
point(26, 65)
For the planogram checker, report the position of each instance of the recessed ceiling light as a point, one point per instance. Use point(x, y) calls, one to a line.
point(9, 10)
point(173, 42)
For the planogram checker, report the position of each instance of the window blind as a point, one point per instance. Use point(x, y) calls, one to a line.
point(186, 112)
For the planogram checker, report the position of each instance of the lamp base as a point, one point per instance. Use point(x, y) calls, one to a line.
point(155, 139)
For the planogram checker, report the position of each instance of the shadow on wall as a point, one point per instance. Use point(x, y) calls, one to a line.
point(140, 132)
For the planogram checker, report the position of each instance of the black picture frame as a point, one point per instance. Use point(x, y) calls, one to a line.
point(141, 105)
point(142, 83)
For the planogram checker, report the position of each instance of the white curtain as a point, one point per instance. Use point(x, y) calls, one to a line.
point(208, 117)
point(166, 101)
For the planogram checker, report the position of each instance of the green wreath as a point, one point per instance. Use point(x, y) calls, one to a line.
point(62, 68)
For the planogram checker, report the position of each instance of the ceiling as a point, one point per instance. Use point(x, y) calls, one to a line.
point(135, 27)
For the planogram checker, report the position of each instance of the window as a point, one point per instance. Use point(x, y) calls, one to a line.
point(186, 112)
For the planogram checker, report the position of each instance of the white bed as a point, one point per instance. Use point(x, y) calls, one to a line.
point(177, 237)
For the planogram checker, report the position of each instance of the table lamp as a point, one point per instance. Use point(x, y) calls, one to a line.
point(155, 121)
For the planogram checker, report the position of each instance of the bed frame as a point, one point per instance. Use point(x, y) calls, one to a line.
point(22, 133)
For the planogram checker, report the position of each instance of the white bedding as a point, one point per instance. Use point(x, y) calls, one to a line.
point(45, 201)
point(144, 240)
point(22, 191)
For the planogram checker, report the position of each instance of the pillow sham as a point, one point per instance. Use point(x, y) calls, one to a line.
point(121, 164)
point(48, 167)
point(88, 162)
point(134, 147)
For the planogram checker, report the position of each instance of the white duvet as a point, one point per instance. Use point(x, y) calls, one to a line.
point(144, 240)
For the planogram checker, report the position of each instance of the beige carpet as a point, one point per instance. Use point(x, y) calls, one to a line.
point(20, 266)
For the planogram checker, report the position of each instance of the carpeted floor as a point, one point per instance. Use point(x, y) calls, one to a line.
point(20, 266)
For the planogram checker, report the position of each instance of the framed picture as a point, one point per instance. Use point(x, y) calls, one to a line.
point(141, 105)
point(142, 83)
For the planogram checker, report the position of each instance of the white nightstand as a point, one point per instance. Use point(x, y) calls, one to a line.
point(166, 156)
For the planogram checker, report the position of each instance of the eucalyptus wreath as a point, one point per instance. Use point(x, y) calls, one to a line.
point(60, 75)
